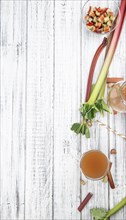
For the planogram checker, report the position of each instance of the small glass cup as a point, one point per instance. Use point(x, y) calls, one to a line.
point(94, 165)
point(117, 97)
point(102, 4)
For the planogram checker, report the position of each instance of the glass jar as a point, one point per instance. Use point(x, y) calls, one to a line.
point(117, 97)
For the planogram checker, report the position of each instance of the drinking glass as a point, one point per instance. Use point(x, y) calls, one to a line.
point(94, 165)
point(117, 97)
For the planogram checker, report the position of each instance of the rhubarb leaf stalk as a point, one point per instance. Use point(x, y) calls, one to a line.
point(115, 209)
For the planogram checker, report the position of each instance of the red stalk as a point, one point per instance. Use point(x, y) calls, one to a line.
point(93, 65)
point(110, 178)
point(85, 201)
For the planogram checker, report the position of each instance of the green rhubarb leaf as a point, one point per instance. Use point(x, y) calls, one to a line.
point(75, 126)
point(84, 109)
point(90, 115)
point(79, 129)
point(88, 111)
point(102, 106)
point(98, 213)
point(105, 107)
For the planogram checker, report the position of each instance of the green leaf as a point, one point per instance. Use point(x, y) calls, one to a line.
point(78, 130)
point(105, 107)
point(91, 114)
point(75, 126)
point(102, 106)
point(98, 213)
point(88, 112)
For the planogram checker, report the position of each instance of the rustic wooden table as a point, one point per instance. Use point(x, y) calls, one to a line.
point(45, 58)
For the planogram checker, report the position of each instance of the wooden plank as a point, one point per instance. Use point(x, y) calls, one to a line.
point(99, 136)
point(67, 101)
point(39, 148)
point(118, 122)
point(13, 76)
point(43, 81)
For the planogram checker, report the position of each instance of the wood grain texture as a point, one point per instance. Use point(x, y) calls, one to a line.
point(66, 103)
point(13, 75)
point(39, 128)
point(46, 54)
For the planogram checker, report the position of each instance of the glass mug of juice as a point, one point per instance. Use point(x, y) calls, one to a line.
point(94, 165)
point(117, 97)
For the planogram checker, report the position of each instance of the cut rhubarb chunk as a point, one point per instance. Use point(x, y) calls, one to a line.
point(98, 24)
point(106, 19)
point(101, 18)
point(106, 29)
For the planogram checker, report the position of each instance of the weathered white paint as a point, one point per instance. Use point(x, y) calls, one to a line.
point(45, 58)
point(39, 114)
point(13, 91)
point(66, 103)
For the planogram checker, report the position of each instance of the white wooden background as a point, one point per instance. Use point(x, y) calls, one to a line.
point(45, 58)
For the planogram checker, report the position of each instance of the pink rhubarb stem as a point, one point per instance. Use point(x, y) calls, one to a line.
point(92, 68)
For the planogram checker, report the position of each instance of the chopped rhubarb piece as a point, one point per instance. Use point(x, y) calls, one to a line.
point(91, 28)
point(90, 19)
point(106, 19)
point(104, 25)
point(90, 9)
point(95, 19)
point(106, 29)
point(89, 24)
point(97, 13)
point(103, 11)
point(110, 13)
point(112, 18)
point(86, 17)
point(98, 24)
point(85, 201)
point(99, 9)
point(109, 23)
point(92, 14)
point(101, 18)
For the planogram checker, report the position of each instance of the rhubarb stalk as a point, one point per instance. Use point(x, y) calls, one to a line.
point(119, 206)
point(92, 68)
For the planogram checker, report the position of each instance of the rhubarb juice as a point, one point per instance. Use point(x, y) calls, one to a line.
point(117, 97)
point(94, 164)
